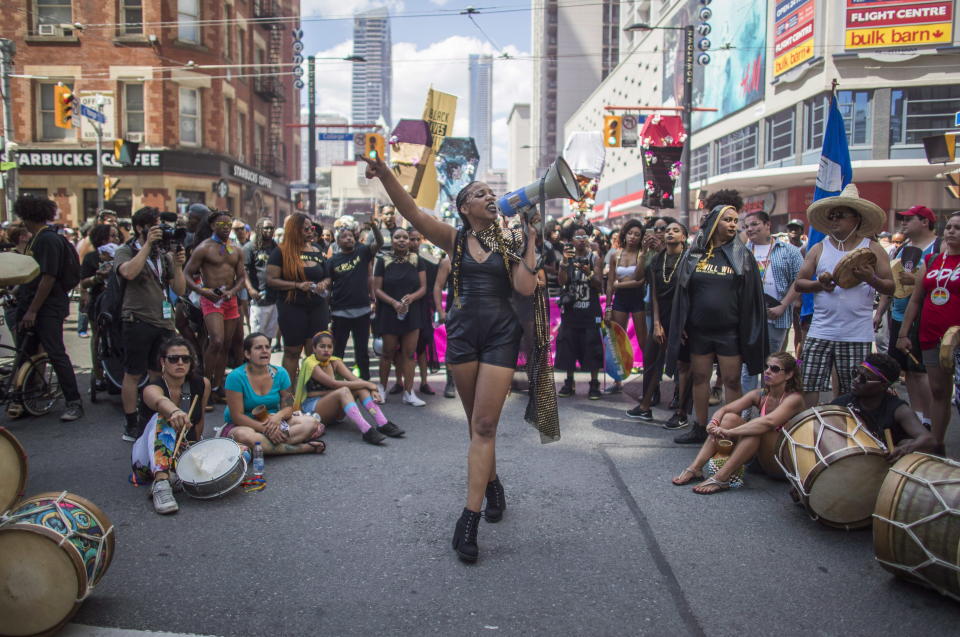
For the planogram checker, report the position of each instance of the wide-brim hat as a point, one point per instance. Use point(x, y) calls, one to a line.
point(872, 216)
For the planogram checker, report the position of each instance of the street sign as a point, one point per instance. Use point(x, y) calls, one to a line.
point(956, 120)
point(630, 131)
point(335, 137)
point(95, 115)
point(101, 102)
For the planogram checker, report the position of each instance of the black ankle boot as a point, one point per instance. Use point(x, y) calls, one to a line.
point(465, 536)
point(496, 501)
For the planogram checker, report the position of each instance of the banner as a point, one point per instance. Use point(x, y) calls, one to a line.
point(886, 24)
point(792, 34)
point(439, 111)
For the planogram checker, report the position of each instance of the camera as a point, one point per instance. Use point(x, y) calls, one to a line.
point(172, 237)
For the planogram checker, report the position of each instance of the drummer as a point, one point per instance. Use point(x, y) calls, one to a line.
point(880, 408)
point(257, 383)
point(779, 400)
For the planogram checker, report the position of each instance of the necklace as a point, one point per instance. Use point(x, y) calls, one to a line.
point(663, 270)
point(940, 295)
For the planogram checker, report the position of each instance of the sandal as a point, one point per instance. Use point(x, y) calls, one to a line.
point(319, 446)
point(718, 485)
point(679, 481)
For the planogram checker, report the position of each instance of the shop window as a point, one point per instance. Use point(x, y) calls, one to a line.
point(188, 21)
point(190, 116)
point(50, 132)
point(737, 151)
point(700, 163)
point(133, 114)
point(780, 129)
point(121, 203)
point(922, 111)
point(131, 17)
point(52, 12)
point(187, 197)
point(40, 193)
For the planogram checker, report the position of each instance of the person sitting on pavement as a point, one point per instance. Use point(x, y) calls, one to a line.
point(257, 383)
point(175, 400)
point(779, 400)
point(881, 409)
point(327, 387)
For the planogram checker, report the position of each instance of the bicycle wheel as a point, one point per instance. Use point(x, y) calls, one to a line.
point(8, 361)
point(40, 388)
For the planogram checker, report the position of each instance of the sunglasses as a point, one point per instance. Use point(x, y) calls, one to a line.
point(859, 377)
point(222, 224)
point(659, 229)
point(178, 358)
point(268, 228)
point(776, 369)
point(840, 214)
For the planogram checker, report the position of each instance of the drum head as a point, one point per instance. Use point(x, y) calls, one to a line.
point(845, 493)
point(13, 470)
point(843, 273)
point(948, 344)
point(208, 460)
point(16, 268)
point(40, 582)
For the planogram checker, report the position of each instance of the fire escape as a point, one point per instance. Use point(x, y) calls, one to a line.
point(269, 86)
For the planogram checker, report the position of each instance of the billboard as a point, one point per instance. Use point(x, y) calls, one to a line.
point(734, 79)
point(792, 34)
point(888, 24)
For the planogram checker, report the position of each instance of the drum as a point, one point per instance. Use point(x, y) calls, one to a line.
point(835, 465)
point(843, 272)
point(767, 454)
point(916, 527)
point(54, 548)
point(211, 468)
point(13, 470)
point(948, 345)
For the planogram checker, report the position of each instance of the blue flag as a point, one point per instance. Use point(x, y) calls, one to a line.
point(834, 174)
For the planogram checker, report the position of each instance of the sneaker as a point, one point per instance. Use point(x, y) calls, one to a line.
point(373, 436)
point(569, 389)
point(615, 388)
point(450, 391)
point(383, 394)
point(130, 433)
point(83, 334)
point(163, 500)
point(391, 430)
point(695, 436)
point(411, 398)
point(74, 412)
point(677, 421)
point(594, 392)
point(716, 396)
point(175, 482)
point(646, 415)
point(427, 390)
point(396, 389)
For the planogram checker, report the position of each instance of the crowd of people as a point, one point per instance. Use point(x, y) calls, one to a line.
point(192, 307)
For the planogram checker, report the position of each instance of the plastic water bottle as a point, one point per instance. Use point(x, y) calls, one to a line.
point(257, 460)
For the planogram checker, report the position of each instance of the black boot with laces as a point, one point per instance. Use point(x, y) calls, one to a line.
point(465, 536)
point(496, 501)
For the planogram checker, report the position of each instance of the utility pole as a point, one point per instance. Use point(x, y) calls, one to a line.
point(312, 128)
point(688, 49)
point(7, 50)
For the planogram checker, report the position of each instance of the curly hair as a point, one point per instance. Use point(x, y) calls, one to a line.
point(35, 209)
point(627, 227)
point(725, 197)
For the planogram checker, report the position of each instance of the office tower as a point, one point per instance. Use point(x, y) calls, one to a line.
point(481, 107)
point(372, 79)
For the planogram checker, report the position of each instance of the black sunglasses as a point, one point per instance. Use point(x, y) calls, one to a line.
point(659, 228)
point(776, 369)
point(858, 376)
point(840, 214)
point(178, 358)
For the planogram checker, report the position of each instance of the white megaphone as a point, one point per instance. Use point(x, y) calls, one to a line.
point(558, 183)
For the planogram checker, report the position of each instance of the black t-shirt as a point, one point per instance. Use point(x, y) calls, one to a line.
point(400, 277)
point(255, 262)
point(89, 266)
point(314, 273)
point(879, 419)
point(585, 310)
point(663, 276)
point(47, 248)
point(714, 294)
point(350, 273)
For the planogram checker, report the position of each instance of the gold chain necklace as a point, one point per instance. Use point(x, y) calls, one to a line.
point(663, 271)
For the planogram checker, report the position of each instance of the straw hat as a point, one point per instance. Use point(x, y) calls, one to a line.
point(872, 216)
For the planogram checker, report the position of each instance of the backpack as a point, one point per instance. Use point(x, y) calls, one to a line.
point(70, 268)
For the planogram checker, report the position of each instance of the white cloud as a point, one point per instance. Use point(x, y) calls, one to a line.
point(345, 8)
point(439, 3)
point(444, 66)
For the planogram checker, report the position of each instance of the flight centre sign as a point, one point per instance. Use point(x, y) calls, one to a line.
point(890, 24)
point(792, 34)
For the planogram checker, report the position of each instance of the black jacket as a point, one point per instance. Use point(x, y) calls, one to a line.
point(753, 311)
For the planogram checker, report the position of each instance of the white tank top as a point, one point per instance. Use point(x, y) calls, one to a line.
point(842, 315)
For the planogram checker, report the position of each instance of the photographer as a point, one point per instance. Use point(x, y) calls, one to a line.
point(148, 269)
point(94, 269)
point(579, 336)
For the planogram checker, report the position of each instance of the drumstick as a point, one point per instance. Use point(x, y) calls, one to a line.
point(914, 359)
point(889, 437)
point(183, 430)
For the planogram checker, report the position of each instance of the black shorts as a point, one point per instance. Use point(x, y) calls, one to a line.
point(906, 363)
point(298, 323)
point(485, 329)
point(579, 344)
point(725, 342)
point(629, 300)
point(141, 346)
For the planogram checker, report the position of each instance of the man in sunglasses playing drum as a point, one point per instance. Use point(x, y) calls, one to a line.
point(841, 332)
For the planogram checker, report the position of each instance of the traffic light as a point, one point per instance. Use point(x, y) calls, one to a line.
point(63, 101)
point(109, 187)
point(125, 152)
point(373, 146)
point(612, 129)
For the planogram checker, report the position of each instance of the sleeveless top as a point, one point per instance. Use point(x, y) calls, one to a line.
point(484, 279)
point(192, 386)
point(842, 315)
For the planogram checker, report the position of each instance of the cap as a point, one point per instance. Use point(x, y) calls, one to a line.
point(920, 211)
point(795, 222)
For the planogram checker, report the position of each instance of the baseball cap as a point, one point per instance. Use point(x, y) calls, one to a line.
point(795, 222)
point(920, 211)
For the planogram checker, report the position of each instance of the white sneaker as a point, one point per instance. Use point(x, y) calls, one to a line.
point(410, 398)
point(163, 500)
point(383, 395)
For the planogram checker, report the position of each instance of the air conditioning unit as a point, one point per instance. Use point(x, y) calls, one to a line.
point(136, 138)
point(48, 29)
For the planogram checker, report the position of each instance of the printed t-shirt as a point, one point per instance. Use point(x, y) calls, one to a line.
point(255, 262)
point(350, 272)
point(663, 276)
point(714, 294)
point(936, 319)
point(237, 381)
point(585, 310)
point(313, 273)
point(898, 307)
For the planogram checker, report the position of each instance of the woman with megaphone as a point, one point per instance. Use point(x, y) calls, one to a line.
point(488, 263)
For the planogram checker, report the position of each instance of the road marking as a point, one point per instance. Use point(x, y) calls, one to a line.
point(79, 630)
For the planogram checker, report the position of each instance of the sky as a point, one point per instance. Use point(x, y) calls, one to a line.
point(431, 42)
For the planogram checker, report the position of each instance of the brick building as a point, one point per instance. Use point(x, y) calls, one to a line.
point(203, 85)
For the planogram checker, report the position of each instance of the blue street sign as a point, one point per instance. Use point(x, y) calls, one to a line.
point(956, 120)
point(335, 137)
point(89, 113)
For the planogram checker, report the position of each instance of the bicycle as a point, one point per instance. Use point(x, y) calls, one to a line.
point(27, 381)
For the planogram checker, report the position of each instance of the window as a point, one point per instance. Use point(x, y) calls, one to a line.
point(699, 163)
point(258, 136)
point(35, 192)
point(188, 16)
point(737, 151)
point(227, 128)
point(922, 111)
point(241, 38)
point(228, 33)
point(855, 108)
point(131, 17)
point(54, 12)
point(187, 197)
point(780, 129)
point(814, 121)
point(50, 132)
point(189, 116)
point(121, 203)
point(242, 136)
point(133, 119)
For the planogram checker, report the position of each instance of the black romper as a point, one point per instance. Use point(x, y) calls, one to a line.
point(485, 328)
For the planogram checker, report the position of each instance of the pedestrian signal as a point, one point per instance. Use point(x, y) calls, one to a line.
point(63, 102)
point(612, 130)
point(373, 146)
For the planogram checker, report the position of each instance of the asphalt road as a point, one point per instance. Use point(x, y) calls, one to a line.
point(595, 540)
